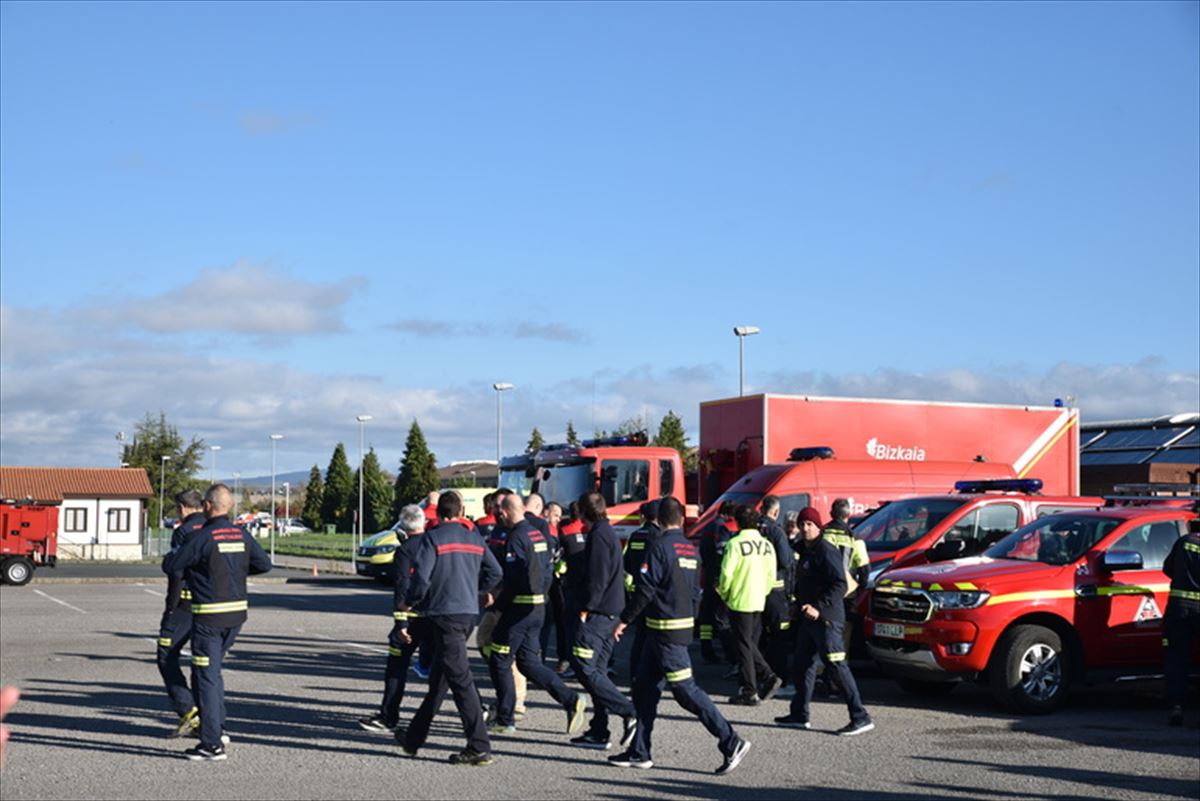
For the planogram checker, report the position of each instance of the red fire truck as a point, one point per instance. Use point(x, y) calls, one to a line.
point(28, 538)
point(624, 469)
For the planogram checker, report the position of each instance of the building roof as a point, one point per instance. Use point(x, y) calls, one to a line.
point(1174, 439)
point(54, 484)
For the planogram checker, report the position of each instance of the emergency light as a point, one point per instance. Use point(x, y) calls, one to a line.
point(636, 439)
point(1029, 486)
point(809, 454)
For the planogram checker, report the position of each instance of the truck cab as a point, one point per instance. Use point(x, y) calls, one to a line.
point(28, 539)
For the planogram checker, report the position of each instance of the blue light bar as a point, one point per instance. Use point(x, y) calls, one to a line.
point(809, 454)
point(636, 439)
point(1029, 486)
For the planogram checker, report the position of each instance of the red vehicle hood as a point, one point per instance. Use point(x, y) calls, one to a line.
point(981, 571)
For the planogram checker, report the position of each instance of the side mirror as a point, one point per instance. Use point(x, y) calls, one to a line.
point(1121, 560)
point(947, 549)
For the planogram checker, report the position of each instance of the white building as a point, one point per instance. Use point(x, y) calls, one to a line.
point(102, 511)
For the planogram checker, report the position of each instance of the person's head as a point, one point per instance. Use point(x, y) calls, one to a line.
point(554, 513)
point(218, 500)
point(511, 509)
point(727, 509)
point(534, 503)
point(573, 510)
point(810, 523)
point(449, 505)
point(412, 519)
point(431, 500)
point(649, 512)
point(791, 524)
point(840, 511)
point(592, 507)
point(670, 513)
point(770, 506)
point(745, 517)
point(189, 502)
point(489, 501)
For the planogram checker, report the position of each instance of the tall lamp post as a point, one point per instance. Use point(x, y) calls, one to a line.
point(162, 480)
point(362, 419)
point(274, 439)
point(742, 332)
point(500, 390)
point(212, 476)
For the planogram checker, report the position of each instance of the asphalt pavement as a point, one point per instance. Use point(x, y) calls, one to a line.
point(93, 720)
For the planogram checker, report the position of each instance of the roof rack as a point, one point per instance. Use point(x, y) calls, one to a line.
point(1028, 486)
point(1157, 494)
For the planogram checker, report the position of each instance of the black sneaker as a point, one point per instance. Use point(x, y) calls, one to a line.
point(1175, 716)
point(770, 688)
point(204, 753)
point(744, 700)
point(628, 760)
point(375, 723)
point(589, 740)
point(401, 740)
point(734, 759)
point(471, 757)
point(793, 722)
point(628, 730)
point(851, 729)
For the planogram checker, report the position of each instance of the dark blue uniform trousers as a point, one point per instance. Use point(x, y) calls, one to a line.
point(1179, 630)
point(395, 677)
point(174, 633)
point(516, 637)
point(451, 669)
point(592, 654)
point(209, 646)
point(820, 639)
point(669, 662)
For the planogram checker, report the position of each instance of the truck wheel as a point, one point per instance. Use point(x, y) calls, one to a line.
point(927, 689)
point(1029, 671)
point(17, 571)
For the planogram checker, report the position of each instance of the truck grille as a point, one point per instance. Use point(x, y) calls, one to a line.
point(905, 606)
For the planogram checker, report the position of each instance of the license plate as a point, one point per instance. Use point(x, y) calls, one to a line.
point(893, 630)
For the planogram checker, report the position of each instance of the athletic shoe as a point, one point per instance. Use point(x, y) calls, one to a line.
point(629, 729)
point(793, 722)
point(202, 753)
point(771, 688)
point(1175, 716)
point(733, 760)
point(502, 728)
point(421, 672)
point(628, 760)
point(401, 737)
point(744, 700)
point(851, 729)
point(189, 723)
point(575, 715)
point(471, 757)
point(375, 723)
point(589, 740)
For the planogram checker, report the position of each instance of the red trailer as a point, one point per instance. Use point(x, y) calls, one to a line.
point(28, 538)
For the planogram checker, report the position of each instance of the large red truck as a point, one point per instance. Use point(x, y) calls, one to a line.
point(28, 538)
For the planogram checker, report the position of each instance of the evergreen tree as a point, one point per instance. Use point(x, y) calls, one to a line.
point(418, 472)
point(632, 426)
point(339, 489)
point(536, 441)
point(153, 439)
point(671, 435)
point(314, 494)
point(572, 437)
point(378, 494)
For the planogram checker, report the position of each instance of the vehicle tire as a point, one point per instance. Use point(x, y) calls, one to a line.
point(927, 689)
point(1030, 671)
point(17, 571)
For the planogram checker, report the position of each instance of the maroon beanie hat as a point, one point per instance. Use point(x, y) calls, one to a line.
point(810, 514)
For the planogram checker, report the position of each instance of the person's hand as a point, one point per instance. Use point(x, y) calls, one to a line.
point(405, 637)
point(619, 630)
point(810, 611)
point(583, 616)
point(8, 699)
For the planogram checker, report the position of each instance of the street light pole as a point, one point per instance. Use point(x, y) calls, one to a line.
point(162, 478)
point(274, 439)
point(362, 419)
point(742, 332)
point(500, 390)
point(212, 477)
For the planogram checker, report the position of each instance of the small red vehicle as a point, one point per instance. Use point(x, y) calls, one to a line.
point(28, 539)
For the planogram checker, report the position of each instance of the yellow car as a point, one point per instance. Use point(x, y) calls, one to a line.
point(377, 553)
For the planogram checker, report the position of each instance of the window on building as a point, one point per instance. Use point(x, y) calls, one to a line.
point(118, 520)
point(75, 520)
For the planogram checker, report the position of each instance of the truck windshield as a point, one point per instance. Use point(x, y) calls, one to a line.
point(564, 483)
point(1053, 540)
point(902, 523)
point(515, 479)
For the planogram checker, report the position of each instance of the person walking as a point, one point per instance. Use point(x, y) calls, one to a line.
point(776, 617)
point(1181, 620)
point(452, 571)
point(667, 589)
point(175, 629)
point(215, 561)
point(747, 576)
point(635, 553)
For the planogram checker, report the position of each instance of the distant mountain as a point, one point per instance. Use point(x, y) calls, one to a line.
point(296, 479)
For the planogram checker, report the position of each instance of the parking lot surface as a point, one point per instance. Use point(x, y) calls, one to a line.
point(93, 719)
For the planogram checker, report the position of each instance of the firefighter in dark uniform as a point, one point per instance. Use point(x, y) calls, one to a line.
point(1181, 620)
point(522, 605)
point(452, 568)
point(593, 648)
point(572, 576)
point(777, 619)
point(176, 627)
point(820, 589)
point(409, 629)
point(216, 560)
point(667, 589)
point(635, 554)
point(714, 617)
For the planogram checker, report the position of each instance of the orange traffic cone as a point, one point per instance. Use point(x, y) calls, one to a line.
point(314, 568)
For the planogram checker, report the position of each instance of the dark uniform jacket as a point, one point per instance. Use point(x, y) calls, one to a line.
point(667, 588)
point(574, 553)
point(1183, 568)
point(605, 581)
point(178, 593)
point(527, 568)
point(712, 551)
point(405, 554)
point(450, 568)
point(216, 560)
point(784, 561)
point(635, 548)
point(821, 579)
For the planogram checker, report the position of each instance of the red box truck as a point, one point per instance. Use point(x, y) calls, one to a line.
point(28, 538)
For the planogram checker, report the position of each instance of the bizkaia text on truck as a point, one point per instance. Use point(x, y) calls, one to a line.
point(1066, 597)
point(810, 451)
point(624, 469)
point(29, 538)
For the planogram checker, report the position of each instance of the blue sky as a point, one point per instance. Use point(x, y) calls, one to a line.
point(273, 217)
